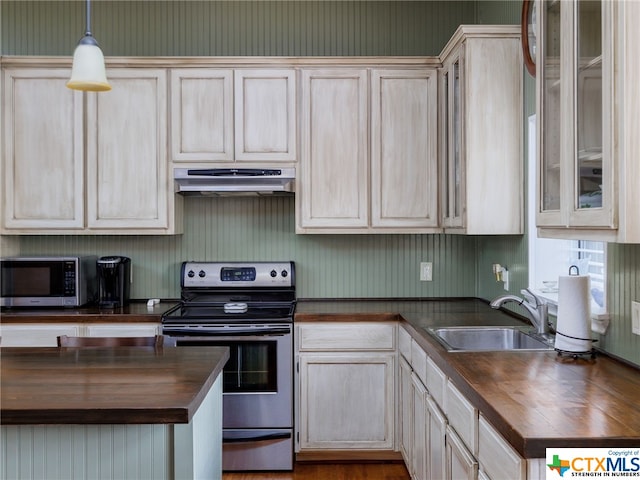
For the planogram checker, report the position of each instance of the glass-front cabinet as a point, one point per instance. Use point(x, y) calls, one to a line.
point(581, 174)
point(480, 116)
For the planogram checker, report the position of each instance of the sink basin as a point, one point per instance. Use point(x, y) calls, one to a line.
point(474, 339)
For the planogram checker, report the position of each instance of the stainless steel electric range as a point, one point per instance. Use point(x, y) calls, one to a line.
point(248, 307)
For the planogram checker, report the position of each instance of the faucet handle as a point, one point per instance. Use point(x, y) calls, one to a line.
point(532, 298)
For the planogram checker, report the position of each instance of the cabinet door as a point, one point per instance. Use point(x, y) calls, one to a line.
point(451, 108)
point(481, 131)
point(265, 115)
point(419, 450)
point(436, 425)
point(128, 185)
point(497, 458)
point(43, 151)
point(41, 335)
point(549, 119)
point(575, 116)
point(404, 172)
point(202, 115)
point(333, 179)
point(460, 463)
point(406, 413)
point(346, 401)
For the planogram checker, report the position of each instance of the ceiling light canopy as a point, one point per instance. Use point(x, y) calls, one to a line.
point(88, 72)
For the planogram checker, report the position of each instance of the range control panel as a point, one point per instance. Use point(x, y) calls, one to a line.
point(237, 274)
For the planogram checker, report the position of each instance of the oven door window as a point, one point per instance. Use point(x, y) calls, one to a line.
point(252, 365)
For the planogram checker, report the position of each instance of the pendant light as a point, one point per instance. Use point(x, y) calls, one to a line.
point(88, 72)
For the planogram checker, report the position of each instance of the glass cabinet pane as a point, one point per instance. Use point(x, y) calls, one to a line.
point(457, 123)
point(589, 104)
point(447, 155)
point(551, 107)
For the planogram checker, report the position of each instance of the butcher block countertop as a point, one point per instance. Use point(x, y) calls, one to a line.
point(536, 400)
point(122, 385)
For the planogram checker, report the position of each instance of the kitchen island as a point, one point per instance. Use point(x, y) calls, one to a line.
point(125, 412)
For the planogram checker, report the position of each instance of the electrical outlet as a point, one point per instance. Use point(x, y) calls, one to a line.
point(426, 271)
point(635, 317)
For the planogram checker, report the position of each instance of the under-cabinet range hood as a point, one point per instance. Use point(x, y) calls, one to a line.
point(235, 181)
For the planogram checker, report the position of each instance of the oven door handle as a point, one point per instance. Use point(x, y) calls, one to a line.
point(257, 438)
point(185, 332)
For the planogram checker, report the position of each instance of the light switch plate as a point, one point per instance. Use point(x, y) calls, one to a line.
point(635, 317)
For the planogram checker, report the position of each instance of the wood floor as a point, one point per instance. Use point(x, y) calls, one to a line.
point(332, 471)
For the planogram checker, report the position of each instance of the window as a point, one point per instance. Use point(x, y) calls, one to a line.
point(551, 258)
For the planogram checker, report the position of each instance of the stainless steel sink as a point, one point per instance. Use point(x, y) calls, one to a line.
point(474, 339)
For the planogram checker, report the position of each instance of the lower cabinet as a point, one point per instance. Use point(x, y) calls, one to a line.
point(443, 436)
point(37, 335)
point(497, 458)
point(405, 401)
point(460, 464)
point(122, 329)
point(419, 457)
point(436, 425)
point(345, 387)
point(46, 334)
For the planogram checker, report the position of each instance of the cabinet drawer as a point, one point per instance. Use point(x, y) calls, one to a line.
point(404, 344)
point(346, 337)
point(419, 361)
point(122, 329)
point(462, 416)
point(37, 335)
point(497, 458)
point(436, 382)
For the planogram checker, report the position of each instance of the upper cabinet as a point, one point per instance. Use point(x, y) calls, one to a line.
point(96, 166)
point(224, 115)
point(43, 155)
point(481, 155)
point(588, 144)
point(368, 160)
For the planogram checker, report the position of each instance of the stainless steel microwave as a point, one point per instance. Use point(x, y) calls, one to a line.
point(48, 281)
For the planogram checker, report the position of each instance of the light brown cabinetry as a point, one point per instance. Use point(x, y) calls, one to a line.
point(481, 131)
point(128, 182)
point(226, 115)
point(368, 151)
point(87, 163)
point(45, 334)
point(587, 104)
point(43, 155)
point(443, 435)
point(345, 387)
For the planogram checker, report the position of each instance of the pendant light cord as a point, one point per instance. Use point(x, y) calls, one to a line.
point(88, 18)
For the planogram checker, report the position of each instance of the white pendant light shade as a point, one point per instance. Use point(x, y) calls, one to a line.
point(88, 72)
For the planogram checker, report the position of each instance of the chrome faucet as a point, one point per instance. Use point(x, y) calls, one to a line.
point(538, 312)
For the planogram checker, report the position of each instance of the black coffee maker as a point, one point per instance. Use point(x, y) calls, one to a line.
point(114, 281)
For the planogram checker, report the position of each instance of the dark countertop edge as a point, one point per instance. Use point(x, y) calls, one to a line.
point(120, 416)
point(136, 312)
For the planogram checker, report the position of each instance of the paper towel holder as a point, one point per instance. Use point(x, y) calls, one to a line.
point(573, 354)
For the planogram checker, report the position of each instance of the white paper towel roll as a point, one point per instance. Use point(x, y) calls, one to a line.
point(574, 314)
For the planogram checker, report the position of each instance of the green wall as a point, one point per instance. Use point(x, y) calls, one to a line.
point(229, 229)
